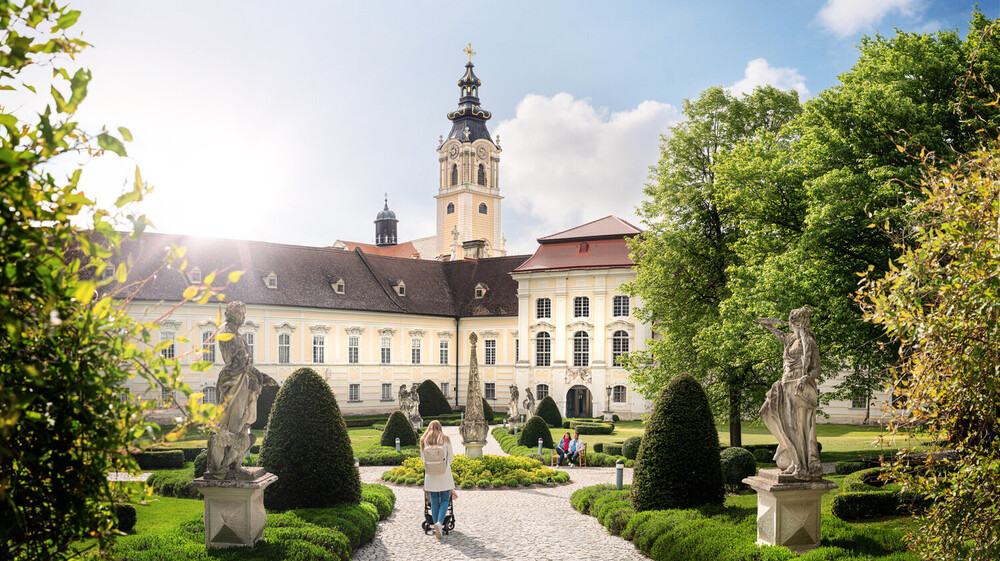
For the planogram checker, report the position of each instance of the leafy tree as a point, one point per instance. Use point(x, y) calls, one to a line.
point(432, 400)
point(805, 199)
point(678, 462)
point(307, 446)
point(683, 257)
point(66, 344)
point(938, 302)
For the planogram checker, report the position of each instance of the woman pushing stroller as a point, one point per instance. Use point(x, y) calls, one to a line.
point(436, 452)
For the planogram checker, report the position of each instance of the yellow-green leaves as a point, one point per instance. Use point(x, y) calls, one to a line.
point(234, 276)
point(111, 144)
point(67, 20)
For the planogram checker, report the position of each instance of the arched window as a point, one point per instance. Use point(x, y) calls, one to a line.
point(450, 209)
point(541, 391)
point(454, 174)
point(543, 349)
point(619, 346)
point(618, 394)
point(483, 209)
point(581, 349)
point(482, 175)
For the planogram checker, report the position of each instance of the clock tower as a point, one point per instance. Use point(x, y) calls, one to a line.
point(468, 199)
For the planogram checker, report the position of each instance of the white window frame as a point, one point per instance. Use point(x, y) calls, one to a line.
point(168, 352)
point(581, 306)
point(490, 390)
point(620, 306)
point(319, 349)
point(284, 348)
point(445, 386)
point(619, 346)
point(539, 352)
point(581, 349)
point(353, 349)
point(619, 394)
point(385, 348)
point(415, 351)
point(353, 392)
point(444, 351)
point(249, 339)
point(208, 346)
point(490, 352)
point(386, 391)
point(210, 395)
point(541, 391)
point(543, 308)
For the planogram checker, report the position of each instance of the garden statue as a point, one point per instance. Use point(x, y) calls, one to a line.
point(512, 411)
point(404, 400)
point(234, 512)
point(789, 411)
point(474, 428)
point(414, 413)
point(789, 498)
point(238, 387)
point(529, 402)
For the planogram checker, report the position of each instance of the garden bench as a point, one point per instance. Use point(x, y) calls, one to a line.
point(581, 461)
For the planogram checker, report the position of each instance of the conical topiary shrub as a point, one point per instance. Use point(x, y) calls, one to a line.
point(534, 429)
point(307, 446)
point(487, 412)
point(432, 401)
point(264, 403)
point(678, 461)
point(548, 410)
point(398, 427)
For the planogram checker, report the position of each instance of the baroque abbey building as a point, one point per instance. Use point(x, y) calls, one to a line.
point(372, 317)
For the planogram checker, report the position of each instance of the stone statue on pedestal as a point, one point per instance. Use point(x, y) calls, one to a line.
point(513, 414)
point(238, 387)
point(414, 413)
point(789, 411)
point(529, 402)
point(474, 428)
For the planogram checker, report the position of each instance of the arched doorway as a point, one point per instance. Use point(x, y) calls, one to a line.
point(579, 402)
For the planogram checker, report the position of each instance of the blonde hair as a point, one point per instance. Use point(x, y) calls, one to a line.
point(434, 436)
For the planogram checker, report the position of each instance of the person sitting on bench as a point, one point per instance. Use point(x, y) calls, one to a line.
point(575, 447)
point(562, 448)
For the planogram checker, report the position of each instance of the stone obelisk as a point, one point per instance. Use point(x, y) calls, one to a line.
point(474, 428)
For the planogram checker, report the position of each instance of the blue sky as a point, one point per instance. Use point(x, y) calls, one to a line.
point(287, 122)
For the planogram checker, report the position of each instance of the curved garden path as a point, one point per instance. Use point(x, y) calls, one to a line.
point(533, 523)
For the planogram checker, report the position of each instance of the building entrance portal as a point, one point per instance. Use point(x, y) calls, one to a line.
point(579, 402)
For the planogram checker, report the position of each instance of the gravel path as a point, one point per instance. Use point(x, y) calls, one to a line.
point(533, 523)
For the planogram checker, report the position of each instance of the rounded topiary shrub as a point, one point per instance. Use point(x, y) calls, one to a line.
point(631, 447)
point(678, 462)
point(265, 401)
point(548, 410)
point(534, 429)
point(487, 412)
point(126, 516)
point(764, 455)
point(398, 426)
point(737, 464)
point(307, 446)
point(432, 401)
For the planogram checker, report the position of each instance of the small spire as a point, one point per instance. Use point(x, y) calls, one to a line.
point(386, 202)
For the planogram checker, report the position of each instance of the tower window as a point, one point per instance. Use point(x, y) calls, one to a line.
point(450, 209)
point(482, 175)
point(454, 174)
point(483, 209)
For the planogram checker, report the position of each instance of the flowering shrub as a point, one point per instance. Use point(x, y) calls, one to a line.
point(483, 471)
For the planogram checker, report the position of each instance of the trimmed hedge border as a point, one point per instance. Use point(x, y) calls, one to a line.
point(592, 428)
point(160, 459)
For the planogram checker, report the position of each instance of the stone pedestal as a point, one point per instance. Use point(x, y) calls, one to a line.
point(788, 509)
point(234, 508)
point(609, 416)
point(474, 449)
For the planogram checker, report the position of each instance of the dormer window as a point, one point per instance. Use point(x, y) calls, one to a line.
point(400, 288)
point(271, 281)
point(338, 286)
point(481, 290)
point(584, 248)
point(195, 275)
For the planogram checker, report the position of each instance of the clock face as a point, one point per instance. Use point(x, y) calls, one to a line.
point(453, 152)
point(482, 152)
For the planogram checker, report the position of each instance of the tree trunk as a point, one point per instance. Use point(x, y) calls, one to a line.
point(735, 428)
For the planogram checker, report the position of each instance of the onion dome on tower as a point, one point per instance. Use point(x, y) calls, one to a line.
point(469, 120)
point(385, 226)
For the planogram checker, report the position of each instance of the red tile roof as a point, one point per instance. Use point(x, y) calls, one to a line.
point(405, 249)
point(607, 227)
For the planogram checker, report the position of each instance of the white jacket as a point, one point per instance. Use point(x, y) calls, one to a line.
point(444, 481)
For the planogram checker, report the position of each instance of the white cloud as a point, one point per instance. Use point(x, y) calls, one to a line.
point(566, 162)
point(847, 17)
point(759, 73)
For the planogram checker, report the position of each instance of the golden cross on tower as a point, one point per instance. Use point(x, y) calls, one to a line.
point(469, 51)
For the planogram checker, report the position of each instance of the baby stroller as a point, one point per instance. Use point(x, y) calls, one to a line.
point(449, 519)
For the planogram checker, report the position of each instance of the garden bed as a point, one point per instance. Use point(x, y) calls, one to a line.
point(488, 472)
